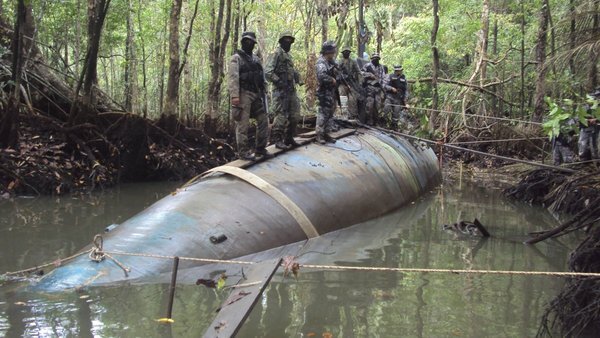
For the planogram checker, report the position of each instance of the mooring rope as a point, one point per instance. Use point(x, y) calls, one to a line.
point(506, 119)
point(327, 267)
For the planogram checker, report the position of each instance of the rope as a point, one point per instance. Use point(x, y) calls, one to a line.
point(57, 262)
point(500, 141)
point(337, 267)
point(96, 253)
point(447, 145)
point(507, 119)
point(455, 271)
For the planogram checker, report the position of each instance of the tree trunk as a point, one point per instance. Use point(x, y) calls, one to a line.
point(379, 38)
point(217, 48)
point(572, 37)
point(593, 70)
point(162, 60)
point(262, 33)
point(171, 101)
point(236, 26)
point(485, 31)
point(361, 34)
point(522, 91)
point(540, 57)
point(77, 50)
point(143, 59)
point(97, 10)
point(436, 63)
point(186, 101)
point(310, 78)
point(131, 85)
point(324, 11)
point(9, 120)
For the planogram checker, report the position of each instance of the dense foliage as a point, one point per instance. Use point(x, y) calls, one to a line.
point(487, 50)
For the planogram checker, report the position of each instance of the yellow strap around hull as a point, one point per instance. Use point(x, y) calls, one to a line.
point(276, 194)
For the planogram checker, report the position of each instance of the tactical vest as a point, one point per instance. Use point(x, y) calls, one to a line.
point(251, 73)
point(398, 82)
point(285, 71)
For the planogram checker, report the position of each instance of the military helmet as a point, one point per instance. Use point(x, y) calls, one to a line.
point(398, 67)
point(328, 47)
point(346, 49)
point(286, 34)
point(249, 35)
point(375, 56)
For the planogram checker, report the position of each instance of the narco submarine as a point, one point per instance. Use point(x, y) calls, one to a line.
point(230, 212)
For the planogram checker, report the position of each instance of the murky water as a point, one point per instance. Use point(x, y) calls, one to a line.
point(316, 304)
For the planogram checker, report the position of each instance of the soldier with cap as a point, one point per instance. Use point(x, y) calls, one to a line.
point(246, 89)
point(396, 95)
point(281, 72)
point(374, 75)
point(327, 73)
point(351, 85)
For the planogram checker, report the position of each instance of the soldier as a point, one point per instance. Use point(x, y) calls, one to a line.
point(588, 132)
point(374, 74)
point(351, 85)
point(396, 90)
point(246, 88)
point(327, 73)
point(286, 105)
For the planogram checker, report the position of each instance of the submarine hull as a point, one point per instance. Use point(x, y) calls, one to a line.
point(221, 216)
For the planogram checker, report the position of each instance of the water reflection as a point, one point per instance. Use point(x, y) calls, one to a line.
point(318, 303)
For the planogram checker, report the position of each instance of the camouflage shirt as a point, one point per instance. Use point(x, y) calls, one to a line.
point(349, 71)
point(326, 76)
point(378, 71)
point(280, 70)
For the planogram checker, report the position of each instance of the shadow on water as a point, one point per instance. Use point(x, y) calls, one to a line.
point(316, 304)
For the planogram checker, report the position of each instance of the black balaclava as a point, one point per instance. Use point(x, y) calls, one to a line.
point(346, 54)
point(248, 46)
point(375, 62)
point(286, 45)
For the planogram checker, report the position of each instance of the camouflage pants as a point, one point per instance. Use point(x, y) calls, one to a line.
point(374, 108)
point(352, 105)
point(251, 106)
point(324, 115)
point(561, 153)
point(588, 144)
point(286, 107)
point(399, 117)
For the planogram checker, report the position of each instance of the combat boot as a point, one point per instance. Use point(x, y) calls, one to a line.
point(292, 143)
point(281, 145)
point(321, 139)
point(329, 139)
point(262, 154)
point(247, 156)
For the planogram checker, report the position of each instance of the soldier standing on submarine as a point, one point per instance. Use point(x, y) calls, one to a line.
point(246, 82)
point(281, 72)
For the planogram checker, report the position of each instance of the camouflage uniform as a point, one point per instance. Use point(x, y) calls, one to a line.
point(374, 77)
point(395, 102)
point(246, 82)
point(351, 87)
point(286, 105)
point(327, 73)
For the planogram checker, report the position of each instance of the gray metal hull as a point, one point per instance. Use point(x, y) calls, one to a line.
point(361, 177)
